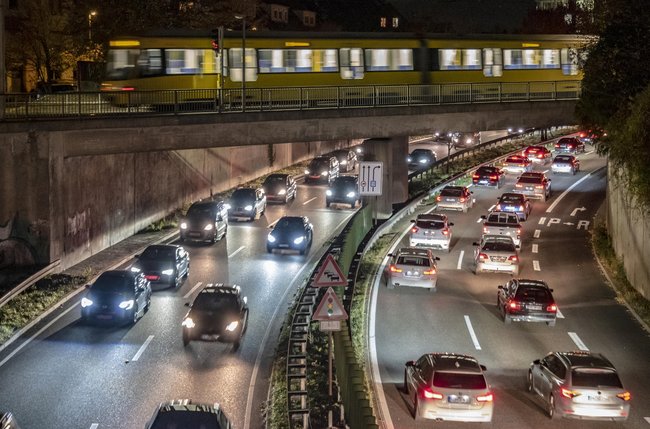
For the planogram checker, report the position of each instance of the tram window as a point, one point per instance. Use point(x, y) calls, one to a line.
point(389, 59)
point(459, 59)
point(531, 59)
point(297, 60)
point(120, 63)
point(351, 63)
point(569, 60)
point(150, 62)
point(190, 61)
point(235, 64)
point(492, 62)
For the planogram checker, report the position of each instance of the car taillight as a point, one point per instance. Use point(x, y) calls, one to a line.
point(488, 397)
point(498, 207)
point(569, 393)
point(127, 88)
point(582, 135)
point(430, 394)
point(557, 145)
point(463, 199)
point(539, 187)
point(552, 308)
point(394, 269)
point(518, 232)
point(626, 396)
point(445, 231)
point(485, 229)
point(514, 305)
point(438, 198)
point(494, 177)
point(415, 229)
point(482, 257)
point(540, 155)
point(571, 146)
point(475, 176)
point(518, 185)
point(430, 272)
point(521, 208)
point(513, 258)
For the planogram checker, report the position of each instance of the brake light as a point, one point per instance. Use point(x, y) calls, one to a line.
point(498, 207)
point(514, 305)
point(513, 258)
point(475, 176)
point(430, 394)
point(463, 199)
point(518, 185)
point(494, 177)
point(415, 229)
point(521, 208)
point(438, 198)
point(429, 272)
point(127, 88)
point(488, 397)
point(571, 146)
point(518, 232)
point(626, 396)
point(539, 187)
point(582, 135)
point(482, 257)
point(569, 393)
point(445, 231)
point(557, 145)
point(394, 269)
point(485, 229)
point(552, 308)
point(540, 155)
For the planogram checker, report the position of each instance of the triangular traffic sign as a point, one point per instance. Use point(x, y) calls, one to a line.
point(330, 274)
point(330, 308)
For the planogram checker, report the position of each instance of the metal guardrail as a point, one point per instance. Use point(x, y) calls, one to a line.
point(28, 282)
point(130, 103)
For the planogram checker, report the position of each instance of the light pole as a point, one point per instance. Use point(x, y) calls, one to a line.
point(243, 60)
point(90, 24)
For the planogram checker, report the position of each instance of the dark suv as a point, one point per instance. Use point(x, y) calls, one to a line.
point(322, 169)
point(205, 221)
point(343, 190)
point(185, 414)
point(218, 313)
point(527, 301)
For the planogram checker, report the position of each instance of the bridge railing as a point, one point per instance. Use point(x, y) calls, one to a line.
point(129, 103)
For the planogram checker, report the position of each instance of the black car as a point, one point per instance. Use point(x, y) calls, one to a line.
point(280, 188)
point(488, 176)
point(347, 159)
point(291, 233)
point(246, 203)
point(527, 301)
point(570, 145)
point(322, 169)
point(8, 421)
point(421, 158)
point(205, 221)
point(117, 296)
point(344, 190)
point(163, 264)
point(218, 313)
point(184, 413)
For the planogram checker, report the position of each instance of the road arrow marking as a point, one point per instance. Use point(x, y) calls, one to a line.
point(579, 209)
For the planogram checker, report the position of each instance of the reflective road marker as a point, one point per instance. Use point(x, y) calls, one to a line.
point(535, 248)
point(537, 232)
point(536, 266)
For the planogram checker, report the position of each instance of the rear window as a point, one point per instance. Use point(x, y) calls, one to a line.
point(563, 158)
point(511, 198)
point(453, 380)
point(517, 159)
point(486, 170)
point(529, 293)
point(499, 246)
point(450, 192)
point(186, 419)
point(530, 179)
point(430, 224)
point(595, 377)
point(414, 261)
point(566, 141)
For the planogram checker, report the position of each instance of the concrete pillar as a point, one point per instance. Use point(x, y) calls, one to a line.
point(392, 152)
point(57, 215)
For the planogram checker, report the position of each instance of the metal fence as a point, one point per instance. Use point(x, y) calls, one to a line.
point(129, 103)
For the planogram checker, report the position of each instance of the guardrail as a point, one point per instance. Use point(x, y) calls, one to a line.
point(129, 103)
point(28, 282)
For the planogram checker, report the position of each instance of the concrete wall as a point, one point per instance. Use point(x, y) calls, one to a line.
point(629, 229)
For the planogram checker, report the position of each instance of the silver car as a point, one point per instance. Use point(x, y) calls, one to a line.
point(534, 185)
point(455, 198)
point(431, 230)
point(448, 386)
point(582, 385)
point(496, 253)
point(413, 267)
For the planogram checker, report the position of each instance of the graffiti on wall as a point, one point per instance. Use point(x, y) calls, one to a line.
point(77, 231)
point(22, 243)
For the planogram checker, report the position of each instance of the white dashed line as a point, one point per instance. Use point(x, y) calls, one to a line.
point(471, 333)
point(536, 266)
point(273, 223)
point(492, 208)
point(460, 259)
point(94, 426)
point(535, 248)
point(576, 339)
point(559, 314)
point(142, 348)
point(542, 220)
point(536, 233)
point(647, 419)
point(309, 201)
point(187, 295)
point(555, 203)
point(236, 251)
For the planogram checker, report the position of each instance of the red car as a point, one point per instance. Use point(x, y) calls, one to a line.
point(537, 154)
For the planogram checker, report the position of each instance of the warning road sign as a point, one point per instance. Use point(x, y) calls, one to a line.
point(330, 308)
point(330, 274)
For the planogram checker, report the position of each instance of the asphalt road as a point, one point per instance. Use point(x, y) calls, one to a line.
point(462, 317)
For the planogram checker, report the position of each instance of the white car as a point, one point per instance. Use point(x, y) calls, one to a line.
point(496, 253)
point(431, 230)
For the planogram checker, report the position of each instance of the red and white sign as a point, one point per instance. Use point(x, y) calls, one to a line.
point(330, 274)
point(330, 308)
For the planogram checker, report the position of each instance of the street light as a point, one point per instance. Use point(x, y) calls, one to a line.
point(90, 24)
point(243, 60)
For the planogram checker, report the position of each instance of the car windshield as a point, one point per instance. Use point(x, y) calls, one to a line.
point(179, 419)
point(112, 283)
point(199, 210)
point(275, 180)
point(454, 380)
point(289, 224)
point(451, 192)
point(595, 377)
point(533, 293)
point(511, 198)
point(158, 253)
point(530, 179)
point(515, 159)
point(345, 181)
point(563, 158)
point(430, 224)
point(415, 261)
point(421, 152)
point(319, 164)
point(499, 245)
point(243, 195)
point(215, 302)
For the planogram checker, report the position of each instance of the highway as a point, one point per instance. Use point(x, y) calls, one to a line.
point(462, 317)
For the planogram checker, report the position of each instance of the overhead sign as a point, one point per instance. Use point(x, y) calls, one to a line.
point(330, 274)
point(370, 177)
point(330, 308)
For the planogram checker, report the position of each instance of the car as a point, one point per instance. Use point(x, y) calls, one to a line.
point(116, 296)
point(517, 164)
point(421, 158)
point(455, 198)
point(466, 139)
point(411, 266)
point(8, 421)
point(448, 387)
point(183, 413)
point(580, 385)
point(565, 164)
point(443, 137)
point(524, 300)
point(514, 202)
point(246, 204)
point(291, 233)
point(280, 188)
point(496, 253)
point(537, 154)
point(322, 169)
point(347, 159)
point(163, 264)
point(343, 190)
point(591, 136)
point(488, 176)
point(218, 313)
point(534, 185)
point(205, 221)
point(431, 230)
point(570, 145)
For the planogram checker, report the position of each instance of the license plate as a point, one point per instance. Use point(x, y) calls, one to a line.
point(451, 200)
point(597, 398)
point(534, 307)
point(105, 316)
point(458, 399)
point(283, 245)
point(498, 258)
point(195, 234)
point(483, 181)
point(209, 337)
point(412, 273)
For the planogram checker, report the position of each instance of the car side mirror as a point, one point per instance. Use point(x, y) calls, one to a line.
point(412, 220)
point(483, 217)
point(410, 363)
point(271, 226)
point(536, 361)
point(451, 224)
point(483, 367)
point(517, 246)
point(436, 258)
point(390, 254)
point(500, 287)
point(475, 244)
point(550, 289)
point(137, 255)
point(549, 180)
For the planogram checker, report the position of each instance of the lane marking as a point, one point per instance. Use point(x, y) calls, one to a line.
point(142, 349)
point(537, 232)
point(542, 221)
point(576, 339)
point(647, 419)
point(472, 333)
point(563, 194)
point(545, 171)
point(273, 223)
point(187, 295)
point(559, 314)
point(491, 208)
point(309, 201)
point(536, 266)
point(236, 251)
point(94, 426)
point(460, 259)
point(535, 248)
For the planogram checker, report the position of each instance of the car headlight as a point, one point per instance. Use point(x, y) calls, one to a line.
point(135, 269)
point(188, 323)
point(282, 191)
point(351, 194)
point(324, 173)
point(270, 238)
point(85, 302)
point(423, 161)
point(409, 159)
point(248, 208)
point(232, 326)
point(306, 171)
point(299, 240)
point(168, 272)
point(468, 141)
point(328, 192)
point(183, 225)
point(127, 305)
point(208, 227)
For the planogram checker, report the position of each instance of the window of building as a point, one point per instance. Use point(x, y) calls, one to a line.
point(459, 59)
point(395, 22)
point(492, 62)
point(351, 60)
point(382, 22)
point(190, 61)
point(389, 59)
